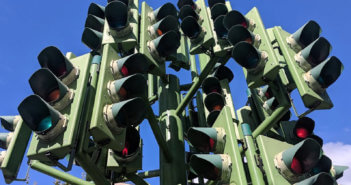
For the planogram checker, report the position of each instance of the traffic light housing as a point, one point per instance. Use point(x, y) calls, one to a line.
point(252, 47)
point(305, 56)
point(196, 25)
point(55, 120)
point(122, 28)
point(94, 27)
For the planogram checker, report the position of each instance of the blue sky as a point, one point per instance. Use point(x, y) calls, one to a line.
point(29, 26)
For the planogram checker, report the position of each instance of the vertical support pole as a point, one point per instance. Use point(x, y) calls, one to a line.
point(251, 156)
point(173, 172)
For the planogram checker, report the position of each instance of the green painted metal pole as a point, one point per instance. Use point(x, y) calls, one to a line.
point(197, 81)
point(173, 172)
point(81, 156)
point(269, 122)
point(43, 168)
point(149, 174)
point(193, 67)
point(251, 156)
point(158, 134)
point(136, 179)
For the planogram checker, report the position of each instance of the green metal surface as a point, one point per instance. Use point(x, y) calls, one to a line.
point(15, 152)
point(271, 68)
point(310, 98)
point(98, 128)
point(62, 145)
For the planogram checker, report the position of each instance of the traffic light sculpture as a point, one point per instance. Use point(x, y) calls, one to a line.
point(252, 49)
point(15, 144)
point(306, 57)
point(60, 89)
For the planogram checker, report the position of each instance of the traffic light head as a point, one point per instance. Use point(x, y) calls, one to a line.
point(163, 26)
point(92, 38)
point(127, 88)
point(188, 10)
point(94, 22)
point(9, 122)
point(119, 115)
point(45, 84)
point(116, 13)
point(313, 54)
point(249, 57)
point(323, 75)
point(239, 33)
point(222, 72)
point(304, 127)
point(236, 18)
point(132, 146)
point(164, 45)
point(5, 139)
point(212, 3)
point(214, 102)
point(207, 139)
point(44, 120)
point(182, 3)
point(210, 85)
point(212, 167)
point(163, 11)
point(319, 179)
point(57, 63)
point(96, 10)
point(294, 163)
point(192, 29)
point(324, 165)
point(304, 36)
point(132, 64)
point(212, 117)
point(221, 31)
point(218, 10)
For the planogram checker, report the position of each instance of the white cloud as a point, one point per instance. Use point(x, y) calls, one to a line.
point(340, 154)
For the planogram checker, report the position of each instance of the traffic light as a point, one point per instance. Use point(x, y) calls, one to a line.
point(296, 162)
point(159, 35)
point(94, 27)
point(306, 58)
point(195, 24)
point(59, 94)
point(122, 28)
point(15, 144)
point(225, 165)
point(319, 179)
point(218, 11)
point(252, 48)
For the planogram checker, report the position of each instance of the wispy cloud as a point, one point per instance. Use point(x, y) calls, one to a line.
point(340, 154)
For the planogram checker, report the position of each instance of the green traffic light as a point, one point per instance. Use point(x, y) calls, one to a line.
point(128, 87)
point(218, 10)
point(95, 23)
point(239, 33)
point(212, 3)
point(165, 45)
point(45, 84)
point(44, 120)
point(191, 28)
point(236, 18)
point(53, 59)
